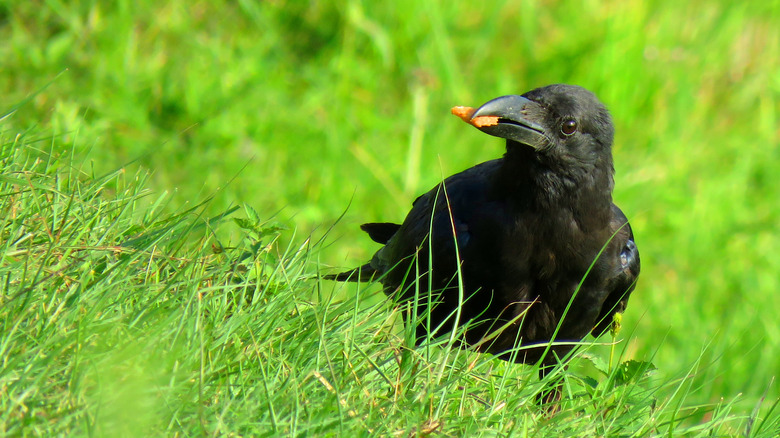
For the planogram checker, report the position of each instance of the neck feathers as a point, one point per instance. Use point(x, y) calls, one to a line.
point(582, 189)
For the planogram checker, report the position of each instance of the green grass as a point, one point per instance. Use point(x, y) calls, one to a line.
point(121, 319)
point(130, 305)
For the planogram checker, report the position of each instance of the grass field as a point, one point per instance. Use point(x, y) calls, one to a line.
point(134, 132)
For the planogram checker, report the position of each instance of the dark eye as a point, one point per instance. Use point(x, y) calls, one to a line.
point(569, 127)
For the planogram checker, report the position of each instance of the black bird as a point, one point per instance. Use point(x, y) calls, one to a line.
point(524, 249)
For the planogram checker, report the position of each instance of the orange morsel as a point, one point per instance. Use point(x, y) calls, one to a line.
point(482, 121)
point(465, 113)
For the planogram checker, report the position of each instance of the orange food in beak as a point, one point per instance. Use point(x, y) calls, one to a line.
point(465, 112)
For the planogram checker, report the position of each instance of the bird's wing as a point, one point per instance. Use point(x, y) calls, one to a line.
point(448, 206)
point(622, 283)
point(439, 221)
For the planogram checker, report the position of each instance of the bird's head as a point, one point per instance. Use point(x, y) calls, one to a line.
point(559, 121)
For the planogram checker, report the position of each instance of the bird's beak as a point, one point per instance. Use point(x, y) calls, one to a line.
point(513, 118)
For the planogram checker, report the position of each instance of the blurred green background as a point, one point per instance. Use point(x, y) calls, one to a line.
point(307, 109)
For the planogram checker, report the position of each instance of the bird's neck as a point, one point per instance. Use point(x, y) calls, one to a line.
point(583, 190)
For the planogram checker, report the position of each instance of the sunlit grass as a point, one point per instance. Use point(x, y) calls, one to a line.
point(121, 319)
point(303, 110)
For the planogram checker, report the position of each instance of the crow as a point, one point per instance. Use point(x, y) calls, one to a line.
point(521, 250)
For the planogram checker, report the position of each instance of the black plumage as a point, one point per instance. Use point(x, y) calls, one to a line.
point(524, 249)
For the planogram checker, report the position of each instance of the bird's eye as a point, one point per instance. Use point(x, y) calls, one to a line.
point(569, 127)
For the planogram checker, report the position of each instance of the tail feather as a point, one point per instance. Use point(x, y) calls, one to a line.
point(362, 274)
point(380, 232)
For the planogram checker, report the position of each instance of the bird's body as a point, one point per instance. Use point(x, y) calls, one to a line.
point(523, 249)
